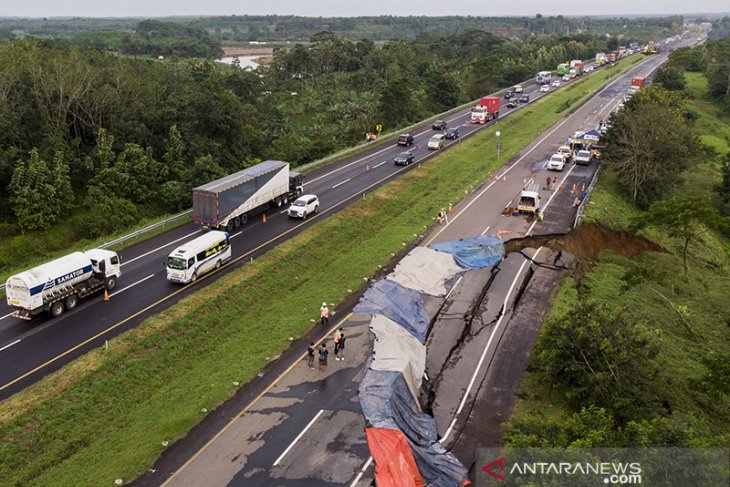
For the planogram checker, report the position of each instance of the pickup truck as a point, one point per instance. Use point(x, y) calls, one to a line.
point(583, 157)
point(556, 162)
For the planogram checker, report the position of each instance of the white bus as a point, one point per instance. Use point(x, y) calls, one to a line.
point(543, 77)
point(193, 259)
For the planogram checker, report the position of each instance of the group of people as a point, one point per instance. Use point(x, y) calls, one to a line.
point(338, 338)
point(551, 184)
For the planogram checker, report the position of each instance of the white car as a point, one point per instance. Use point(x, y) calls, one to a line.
point(583, 157)
point(304, 205)
point(556, 83)
point(556, 162)
point(566, 77)
point(436, 142)
point(518, 89)
point(544, 88)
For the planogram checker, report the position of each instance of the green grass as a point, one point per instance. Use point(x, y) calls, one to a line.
point(105, 415)
point(630, 283)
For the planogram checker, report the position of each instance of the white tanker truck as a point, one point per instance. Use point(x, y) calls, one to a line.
point(58, 285)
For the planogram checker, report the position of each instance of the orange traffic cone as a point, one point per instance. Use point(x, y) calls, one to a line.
point(106, 294)
point(496, 178)
point(572, 190)
point(263, 219)
point(583, 187)
point(504, 179)
point(449, 208)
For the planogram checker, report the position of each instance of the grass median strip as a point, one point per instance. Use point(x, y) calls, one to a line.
point(106, 415)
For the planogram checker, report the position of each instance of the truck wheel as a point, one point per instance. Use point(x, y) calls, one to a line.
point(218, 265)
point(71, 302)
point(236, 222)
point(279, 201)
point(111, 283)
point(56, 309)
point(244, 219)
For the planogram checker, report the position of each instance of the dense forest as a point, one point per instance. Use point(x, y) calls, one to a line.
point(243, 28)
point(121, 138)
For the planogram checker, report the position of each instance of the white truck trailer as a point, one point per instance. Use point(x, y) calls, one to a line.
point(58, 285)
point(226, 203)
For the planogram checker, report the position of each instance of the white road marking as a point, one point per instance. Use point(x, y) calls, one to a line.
point(380, 164)
point(10, 345)
point(7, 315)
point(341, 183)
point(388, 147)
point(485, 230)
point(298, 438)
point(159, 248)
point(131, 285)
point(362, 471)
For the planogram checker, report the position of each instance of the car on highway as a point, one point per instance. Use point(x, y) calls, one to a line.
point(406, 139)
point(512, 103)
point(524, 98)
point(439, 125)
point(304, 206)
point(404, 158)
point(589, 69)
point(583, 157)
point(566, 78)
point(509, 95)
point(544, 88)
point(452, 133)
point(556, 83)
point(566, 152)
point(436, 142)
point(556, 162)
point(518, 89)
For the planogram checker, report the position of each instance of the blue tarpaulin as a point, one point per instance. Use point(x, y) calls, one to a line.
point(474, 252)
point(400, 304)
point(387, 402)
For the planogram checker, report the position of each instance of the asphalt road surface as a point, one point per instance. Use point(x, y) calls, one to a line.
point(31, 349)
point(301, 427)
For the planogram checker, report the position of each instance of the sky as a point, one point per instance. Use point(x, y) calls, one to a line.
point(340, 8)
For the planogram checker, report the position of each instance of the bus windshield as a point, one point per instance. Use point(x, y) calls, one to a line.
point(176, 263)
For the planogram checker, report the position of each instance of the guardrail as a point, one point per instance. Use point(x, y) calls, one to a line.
point(589, 190)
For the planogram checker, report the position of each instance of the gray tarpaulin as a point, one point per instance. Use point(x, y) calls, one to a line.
point(474, 252)
point(426, 270)
point(400, 304)
point(396, 349)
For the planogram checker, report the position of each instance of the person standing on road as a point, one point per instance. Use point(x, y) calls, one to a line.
point(341, 344)
point(442, 216)
point(324, 315)
point(323, 352)
point(548, 184)
point(555, 184)
point(310, 355)
point(336, 340)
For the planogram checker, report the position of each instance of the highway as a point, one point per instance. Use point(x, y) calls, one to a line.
point(304, 427)
point(31, 349)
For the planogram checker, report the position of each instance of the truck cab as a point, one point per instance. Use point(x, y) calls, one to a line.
point(105, 264)
point(529, 200)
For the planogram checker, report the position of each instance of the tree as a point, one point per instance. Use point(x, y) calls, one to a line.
point(598, 355)
point(670, 78)
point(32, 194)
point(724, 187)
point(681, 218)
point(649, 144)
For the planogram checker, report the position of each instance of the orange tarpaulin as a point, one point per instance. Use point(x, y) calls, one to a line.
point(394, 463)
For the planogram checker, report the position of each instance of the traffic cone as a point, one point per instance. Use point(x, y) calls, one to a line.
point(106, 294)
point(496, 178)
point(524, 181)
point(572, 190)
point(583, 187)
point(504, 179)
point(263, 219)
point(449, 208)
point(367, 167)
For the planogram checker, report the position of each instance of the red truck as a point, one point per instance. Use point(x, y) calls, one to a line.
point(487, 110)
point(638, 82)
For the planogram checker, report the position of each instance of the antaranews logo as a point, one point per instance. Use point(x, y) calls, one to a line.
point(578, 467)
point(500, 463)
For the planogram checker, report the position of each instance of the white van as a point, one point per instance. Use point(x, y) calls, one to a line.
point(193, 259)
